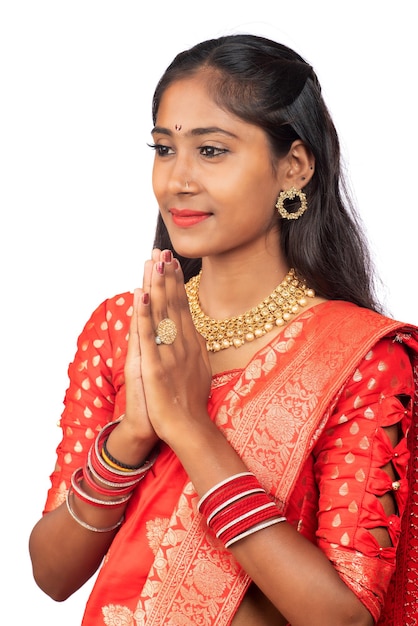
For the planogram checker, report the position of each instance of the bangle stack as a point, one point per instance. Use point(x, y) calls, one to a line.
point(237, 507)
point(107, 476)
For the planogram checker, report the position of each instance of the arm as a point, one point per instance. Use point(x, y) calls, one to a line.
point(360, 467)
point(64, 553)
point(293, 573)
point(360, 470)
point(296, 575)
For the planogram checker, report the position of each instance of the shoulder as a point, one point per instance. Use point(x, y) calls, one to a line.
point(108, 323)
point(386, 366)
point(358, 324)
point(342, 310)
point(113, 311)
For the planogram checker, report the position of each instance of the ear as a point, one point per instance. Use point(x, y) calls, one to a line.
point(297, 167)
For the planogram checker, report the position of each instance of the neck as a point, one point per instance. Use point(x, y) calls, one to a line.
point(274, 310)
point(231, 286)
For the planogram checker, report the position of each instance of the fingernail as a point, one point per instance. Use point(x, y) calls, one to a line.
point(160, 267)
point(167, 256)
point(145, 298)
point(176, 265)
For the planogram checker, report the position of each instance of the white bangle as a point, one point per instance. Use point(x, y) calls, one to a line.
point(255, 529)
point(84, 524)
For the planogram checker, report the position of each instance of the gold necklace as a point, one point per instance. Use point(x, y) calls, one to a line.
point(277, 309)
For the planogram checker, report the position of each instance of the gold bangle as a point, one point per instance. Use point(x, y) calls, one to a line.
point(112, 463)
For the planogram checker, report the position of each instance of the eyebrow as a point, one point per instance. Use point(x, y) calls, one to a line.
point(195, 132)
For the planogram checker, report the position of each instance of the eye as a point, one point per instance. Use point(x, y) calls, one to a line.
point(160, 149)
point(211, 151)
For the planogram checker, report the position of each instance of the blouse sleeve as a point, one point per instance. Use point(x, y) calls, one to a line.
point(94, 396)
point(349, 460)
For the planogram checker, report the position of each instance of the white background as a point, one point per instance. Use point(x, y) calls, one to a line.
point(77, 210)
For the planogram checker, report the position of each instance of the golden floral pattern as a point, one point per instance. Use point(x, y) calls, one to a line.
point(114, 615)
point(156, 530)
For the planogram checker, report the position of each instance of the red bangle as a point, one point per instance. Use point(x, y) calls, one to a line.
point(227, 490)
point(251, 518)
point(237, 507)
point(116, 490)
point(106, 477)
point(110, 475)
point(77, 477)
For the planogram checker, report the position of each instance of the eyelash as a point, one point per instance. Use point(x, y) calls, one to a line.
point(159, 148)
point(163, 151)
point(214, 151)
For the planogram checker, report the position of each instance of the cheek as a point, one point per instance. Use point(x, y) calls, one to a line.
point(157, 183)
point(261, 197)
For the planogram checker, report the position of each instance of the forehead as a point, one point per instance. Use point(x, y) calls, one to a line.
point(187, 109)
point(189, 100)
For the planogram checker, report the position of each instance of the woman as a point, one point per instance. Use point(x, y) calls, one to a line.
point(234, 462)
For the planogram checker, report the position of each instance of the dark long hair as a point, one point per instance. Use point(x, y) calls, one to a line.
point(267, 84)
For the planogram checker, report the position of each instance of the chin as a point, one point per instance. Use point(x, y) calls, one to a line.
point(187, 254)
point(188, 250)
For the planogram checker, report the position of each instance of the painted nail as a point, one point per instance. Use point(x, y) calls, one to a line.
point(167, 256)
point(160, 267)
point(145, 298)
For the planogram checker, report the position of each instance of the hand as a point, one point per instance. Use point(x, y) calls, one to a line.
point(136, 414)
point(176, 378)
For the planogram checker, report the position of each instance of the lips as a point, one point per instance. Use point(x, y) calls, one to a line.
point(186, 217)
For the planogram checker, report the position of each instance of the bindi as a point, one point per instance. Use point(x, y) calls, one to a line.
point(177, 126)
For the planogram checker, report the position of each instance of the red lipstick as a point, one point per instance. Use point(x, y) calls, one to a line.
point(185, 218)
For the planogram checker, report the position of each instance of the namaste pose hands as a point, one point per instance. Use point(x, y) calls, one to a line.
point(167, 369)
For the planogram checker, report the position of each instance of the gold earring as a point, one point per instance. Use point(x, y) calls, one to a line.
point(291, 194)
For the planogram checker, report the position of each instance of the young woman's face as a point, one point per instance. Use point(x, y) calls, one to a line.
point(213, 176)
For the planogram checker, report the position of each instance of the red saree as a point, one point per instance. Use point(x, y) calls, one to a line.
point(281, 413)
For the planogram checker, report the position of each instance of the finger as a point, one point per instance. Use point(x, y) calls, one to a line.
point(164, 298)
point(174, 288)
point(147, 335)
point(195, 344)
point(146, 279)
point(133, 374)
point(186, 318)
point(133, 340)
point(189, 329)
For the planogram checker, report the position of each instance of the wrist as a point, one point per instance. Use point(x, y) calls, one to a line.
point(103, 483)
point(129, 445)
point(206, 454)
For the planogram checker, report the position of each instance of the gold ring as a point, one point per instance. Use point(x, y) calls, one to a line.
point(166, 332)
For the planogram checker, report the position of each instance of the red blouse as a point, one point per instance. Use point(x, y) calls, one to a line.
point(335, 502)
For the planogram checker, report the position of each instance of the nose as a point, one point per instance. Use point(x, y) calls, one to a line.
point(181, 186)
point(181, 176)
